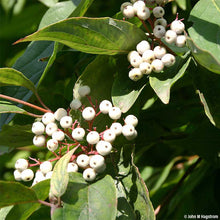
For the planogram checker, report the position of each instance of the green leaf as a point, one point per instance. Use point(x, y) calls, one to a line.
point(12, 193)
point(92, 35)
point(49, 3)
point(125, 91)
point(9, 76)
point(182, 4)
point(81, 8)
point(162, 82)
point(60, 177)
point(16, 136)
point(4, 211)
point(23, 211)
point(88, 201)
point(208, 88)
point(8, 107)
point(205, 34)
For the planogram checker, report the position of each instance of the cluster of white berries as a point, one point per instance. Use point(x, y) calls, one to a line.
point(58, 130)
point(147, 57)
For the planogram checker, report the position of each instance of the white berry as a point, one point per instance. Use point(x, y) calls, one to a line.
point(92, 137)
point(114, 113)
point(39, 176)
point(109, 135)
point(89, 174)
point(124, 5)
point(39, 140)
point(159, 52)
point(135, 74)
point(148, 56)
point(157, 65)
point(135, 61)
point(180, 40)
point(131, 120)
point(72, 167)
point(177, 26)
point(138, 5)
point(96, 161)
point(161, 21)
point(170, 36)
point(145, 68)
point(116, 127)
point(88, 113)
point(104, 148)
point(83, 160)
point(49, 175)
point(17, 175)
point(75, 104)
point(158, 12)
point(51, 128)
point(104, 106)
point(78, 134)
point(84, 91)
point(128, 11)
point(46, 167)
point(59, 113)
point(21, 164)
point(38, 128)
point(48, 118)
point(159, 31)
point(143, 46)
point(143, 13)
point(132, 136)
point(58, 135)
point(132, 54)
point(52, 145)
point(27, 175)
point(128, 130)
point(66, 122)
point(168, 59)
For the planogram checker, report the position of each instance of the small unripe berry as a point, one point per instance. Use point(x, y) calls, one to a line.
point(159, 31)
point(159, 52)
point(46, 167)
point(143, 46)
point(58, 135)
point(116, 127)
point(158, 12)
point(96, 161)
point(52, 145)
point(135, 74)
point(104, 148)
point(72, 167)
point(170, 36)
point(104, 106)
point(148, 56)
point(51, 128)
point(114, 113)
point(131, 120)
point(75, 104)
point(38, 128)
point(135, 61)
point(66, 122)
point(59, 113)
point(89, 174)
point(161, 21)
point(168, 59)
point(177, 26)
point(138, 5)
point(92, 137)
point(128, 130)
point(78, 134)
point(48, 118)
point(83, 160)
point(17, 175)
point(128, 11)
point(109, 135)
point(21, 164)
point(39, 140)
point(88, 113)
point(145, 68)
point(27, 175)
point(84, 91)
point(143, 13)
point(157, 65)
point(180, 40)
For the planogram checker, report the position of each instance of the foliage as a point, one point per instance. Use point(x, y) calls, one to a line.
point(172, 167)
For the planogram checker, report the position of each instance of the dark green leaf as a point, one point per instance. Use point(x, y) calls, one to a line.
point(88, 201)
point(162, 82)
point(205, 34)
point(12, 193)
point(9, 76)
point(60, 177)
point(7, 107)
point(92, 35)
